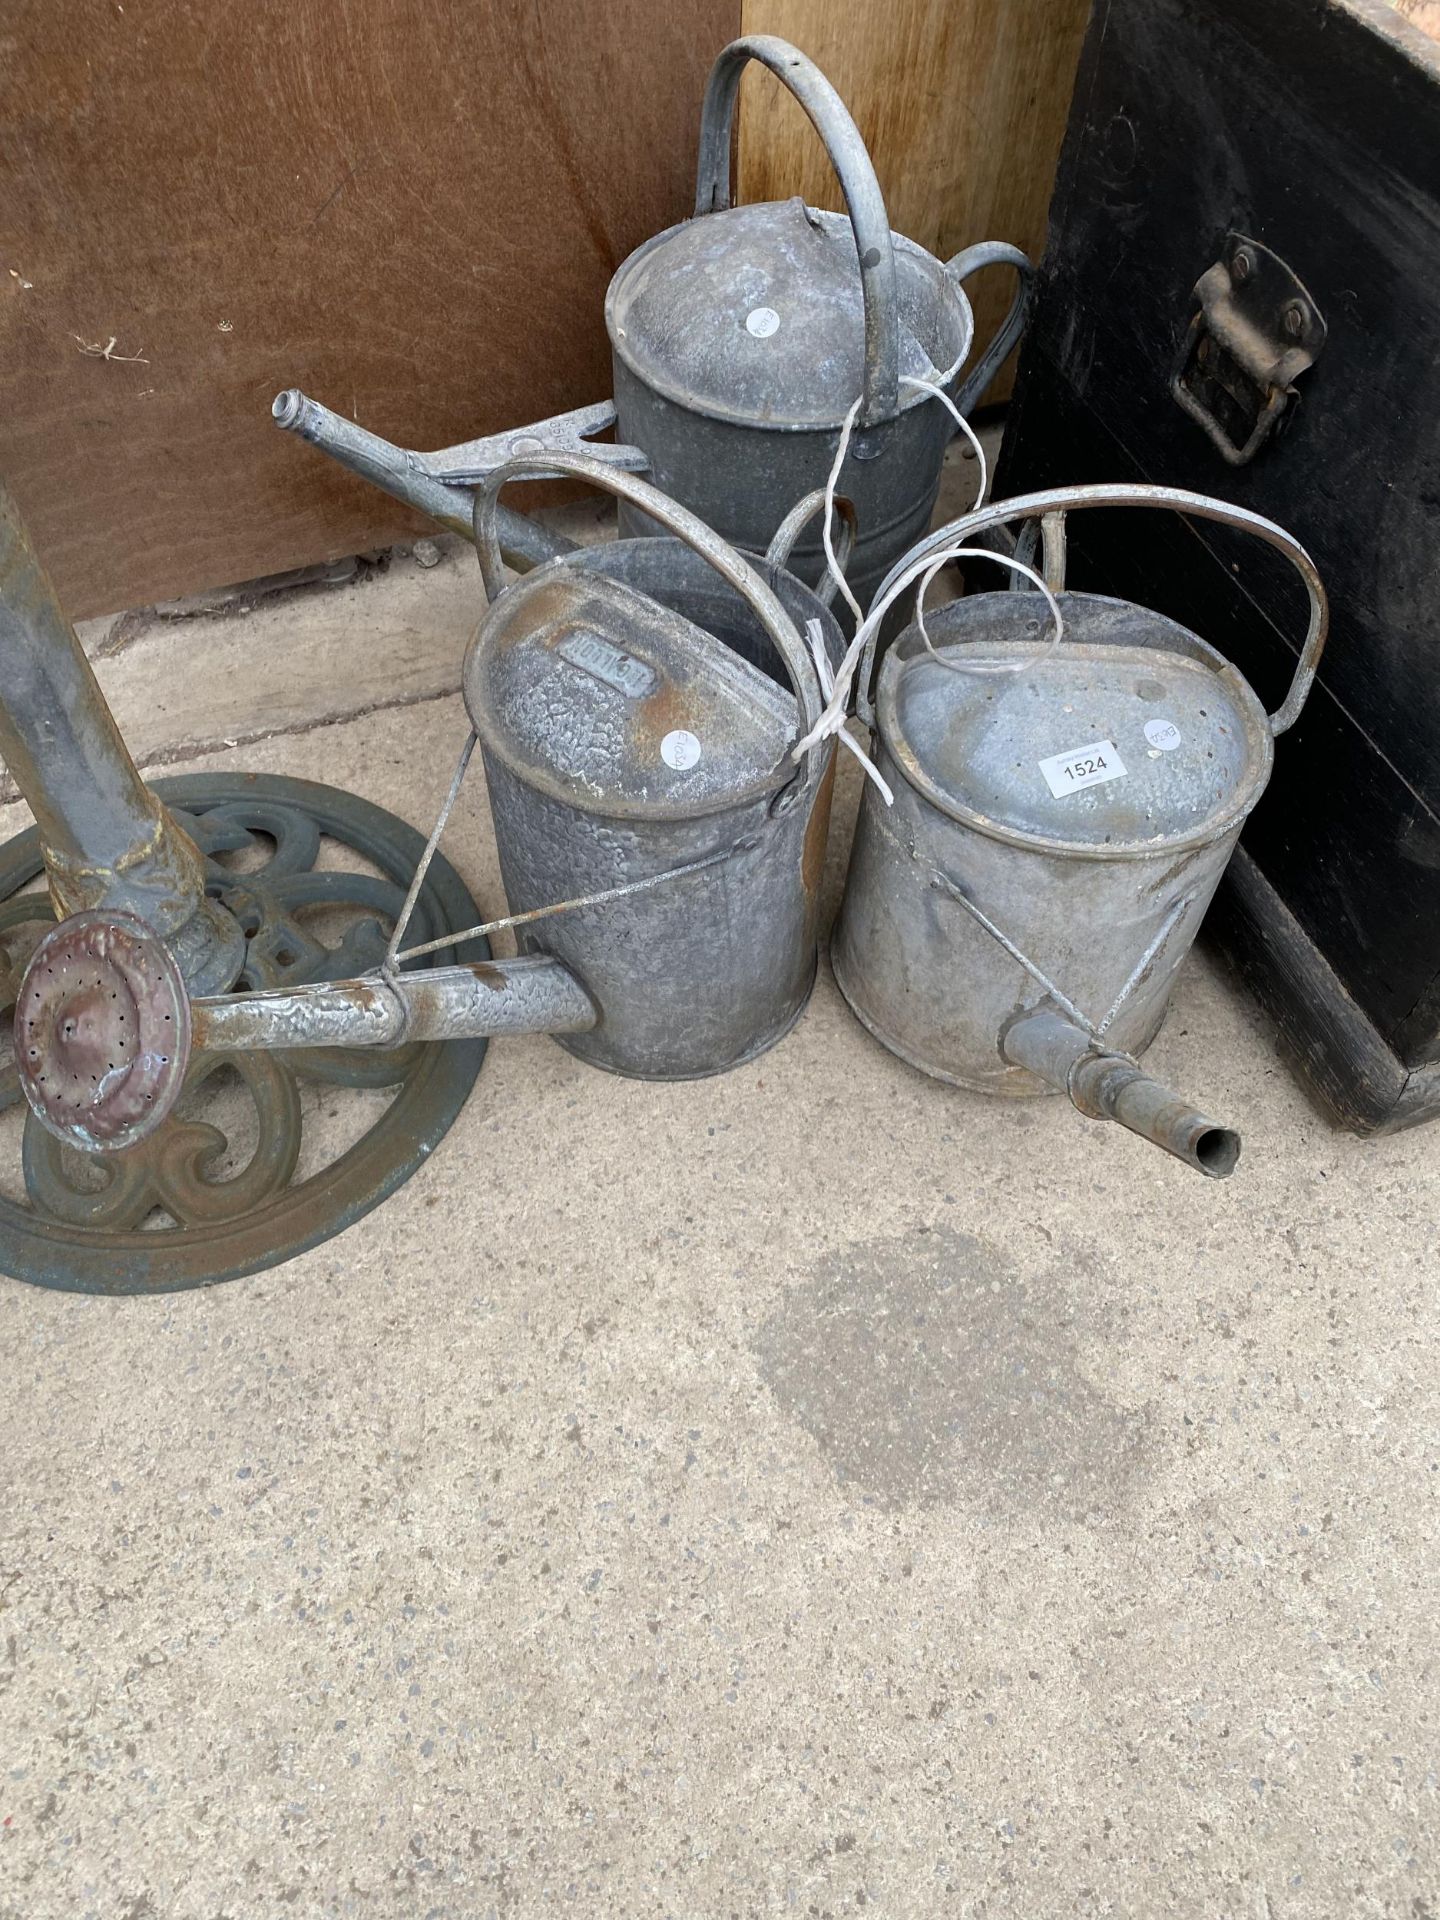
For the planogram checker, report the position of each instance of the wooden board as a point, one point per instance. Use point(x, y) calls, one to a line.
point(409, 210)
point(1424, 14)
point(962, 104)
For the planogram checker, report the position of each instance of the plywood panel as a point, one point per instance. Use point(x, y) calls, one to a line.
point(1424, 14)
point(409, 209)
point(962, 104)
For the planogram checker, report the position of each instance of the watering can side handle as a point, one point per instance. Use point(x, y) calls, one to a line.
point(782, 544)
point(864, 201)
point(685, 526)
point(994, 253)
point(1051, 506)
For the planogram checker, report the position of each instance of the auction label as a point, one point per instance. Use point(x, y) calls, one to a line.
point(1088, 766)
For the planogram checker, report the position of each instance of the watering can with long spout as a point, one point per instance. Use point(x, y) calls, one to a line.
point(741, 340)
point(637, 706)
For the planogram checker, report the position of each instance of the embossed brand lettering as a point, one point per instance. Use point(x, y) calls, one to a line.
point(619, 670)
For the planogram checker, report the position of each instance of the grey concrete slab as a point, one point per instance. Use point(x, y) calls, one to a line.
point(812, 1490)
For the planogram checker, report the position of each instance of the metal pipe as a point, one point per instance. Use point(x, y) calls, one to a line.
point(395, 471)
point(533, 994)
point(107, 841)
point(1110, 1086)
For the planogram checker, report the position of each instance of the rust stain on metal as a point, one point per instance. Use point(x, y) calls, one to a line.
point(102, 1031)
point(557, 604)
point(817, 832)
point(666, 710)
point(360, 995)
point(487, 975)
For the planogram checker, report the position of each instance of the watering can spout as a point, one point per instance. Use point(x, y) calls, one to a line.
point(479, 1001)
point(102, 1001)
point(405, 476)
point(1110, 1086)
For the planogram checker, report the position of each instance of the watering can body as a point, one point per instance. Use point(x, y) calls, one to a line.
point(1070, 774)
point(637, 720)
point(740, 340)
point(1102, 887)
point(740, 435)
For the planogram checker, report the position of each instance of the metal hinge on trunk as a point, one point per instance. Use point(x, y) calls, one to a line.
point(1255, 332)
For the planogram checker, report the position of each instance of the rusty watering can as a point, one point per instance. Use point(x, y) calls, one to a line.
point(637, 706)
point(1063, 813)
point(740, 340)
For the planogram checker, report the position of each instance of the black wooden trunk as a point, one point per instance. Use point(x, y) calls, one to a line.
point(1314, 128)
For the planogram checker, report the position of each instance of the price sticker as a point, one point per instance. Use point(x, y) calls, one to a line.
point(680, 750)
point(1082, 767)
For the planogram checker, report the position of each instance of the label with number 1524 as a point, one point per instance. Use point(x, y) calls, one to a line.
point(1082, 767)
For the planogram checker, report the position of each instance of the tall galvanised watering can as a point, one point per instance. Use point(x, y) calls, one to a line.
point(1062, 815)
point(638, 707)
point(740, 340)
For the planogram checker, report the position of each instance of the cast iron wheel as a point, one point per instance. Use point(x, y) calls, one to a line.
point(201, 1202)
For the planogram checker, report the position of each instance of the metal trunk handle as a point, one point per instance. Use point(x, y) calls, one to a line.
point(689, 528)
point(1051, 507)
point(863, 199)
point(994, 253)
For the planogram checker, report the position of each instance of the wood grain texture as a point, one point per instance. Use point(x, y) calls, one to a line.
point(1424, 14)
point(410, 210)
point(962, 104)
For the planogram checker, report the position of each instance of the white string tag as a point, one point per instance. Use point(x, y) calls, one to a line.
point(832, 719)
point(842, 734)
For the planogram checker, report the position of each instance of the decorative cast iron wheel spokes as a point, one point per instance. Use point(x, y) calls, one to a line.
point(188, 1207)
point(177, 1169)
point(271, 901)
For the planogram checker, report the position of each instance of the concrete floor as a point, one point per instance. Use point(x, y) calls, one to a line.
point(810, 1490)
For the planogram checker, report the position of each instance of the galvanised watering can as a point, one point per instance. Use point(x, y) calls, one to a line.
point(740, 341)
point(1062, 815)
point(637, 706)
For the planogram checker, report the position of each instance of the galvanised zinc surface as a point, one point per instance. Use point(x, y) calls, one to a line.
point(756, 316)
point(699, 974)
point(1192, 746)
point(620, 705)
point(1082, 884)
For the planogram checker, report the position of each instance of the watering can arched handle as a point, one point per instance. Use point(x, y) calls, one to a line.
point(863, 199)
point(1050, 509)
point(994, 253)
point(687, 527)
point(782, 541)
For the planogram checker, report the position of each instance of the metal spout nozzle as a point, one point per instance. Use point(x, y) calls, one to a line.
point(402, 474)
point(1110, 1086)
